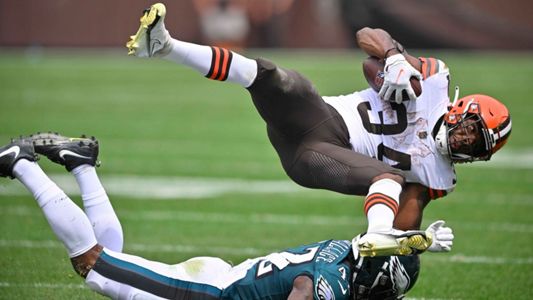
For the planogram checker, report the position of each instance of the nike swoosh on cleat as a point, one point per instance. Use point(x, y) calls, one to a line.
point(14, 149)
point(153, 43)
point(62, 154)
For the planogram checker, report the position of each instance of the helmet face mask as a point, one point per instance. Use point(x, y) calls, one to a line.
point(468, 140)
point(475, 128)
point(382, 277)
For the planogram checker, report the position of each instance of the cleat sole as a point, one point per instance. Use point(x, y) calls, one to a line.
point(405, 246)
point(149, 17)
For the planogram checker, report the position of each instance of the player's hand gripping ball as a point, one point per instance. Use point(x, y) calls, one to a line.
point(373, 71)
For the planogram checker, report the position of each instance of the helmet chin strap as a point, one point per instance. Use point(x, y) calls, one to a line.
point(355, 243)
point(441, 139)
point(456, 96)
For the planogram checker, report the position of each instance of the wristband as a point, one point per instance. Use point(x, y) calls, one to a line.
point(389, 50)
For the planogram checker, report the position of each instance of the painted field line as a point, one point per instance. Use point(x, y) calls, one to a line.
point(276, 219)
point(164, 187)
point(193, 216)
point(154, 187)
point(43, 285)
point(509, 159)
point(255, 252)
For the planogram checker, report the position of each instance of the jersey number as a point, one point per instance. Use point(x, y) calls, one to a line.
point(283, 259)
point(403, 159)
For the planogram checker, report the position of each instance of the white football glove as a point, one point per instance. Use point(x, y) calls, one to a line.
point(398, 72)
point(442, 237)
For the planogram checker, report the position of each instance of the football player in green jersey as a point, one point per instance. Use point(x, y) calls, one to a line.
point(331, 269)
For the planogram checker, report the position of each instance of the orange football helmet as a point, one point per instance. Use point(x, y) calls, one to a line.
point(480, 114)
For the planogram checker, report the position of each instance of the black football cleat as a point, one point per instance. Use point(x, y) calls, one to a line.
point(13, 152)
point(66, 151)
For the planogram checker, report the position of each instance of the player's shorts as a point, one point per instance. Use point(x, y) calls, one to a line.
point(309, 135)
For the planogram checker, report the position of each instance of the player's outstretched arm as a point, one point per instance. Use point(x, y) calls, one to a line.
point(302, 289)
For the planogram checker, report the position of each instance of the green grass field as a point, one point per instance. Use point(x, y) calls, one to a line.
point(158, 120)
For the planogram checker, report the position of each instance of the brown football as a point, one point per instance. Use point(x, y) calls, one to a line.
point(373, 70)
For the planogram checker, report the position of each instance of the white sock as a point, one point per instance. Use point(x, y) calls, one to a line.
point(66, 219)
point(98, 208)
point(381, 204)
point(214, 62)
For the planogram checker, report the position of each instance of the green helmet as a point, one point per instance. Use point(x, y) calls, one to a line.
point(383, 277)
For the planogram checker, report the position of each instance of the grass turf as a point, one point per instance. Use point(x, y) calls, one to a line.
point(156, 118)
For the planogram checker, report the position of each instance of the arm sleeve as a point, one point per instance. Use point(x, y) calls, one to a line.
point(431, 66)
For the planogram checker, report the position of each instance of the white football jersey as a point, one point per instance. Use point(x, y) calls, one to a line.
point(401, 134)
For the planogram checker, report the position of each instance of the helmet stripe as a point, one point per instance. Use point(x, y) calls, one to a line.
point(504, 127)
point(502, 132)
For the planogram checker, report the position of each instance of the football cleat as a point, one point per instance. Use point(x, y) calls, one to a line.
point(66, 151)
point(396, 242)
point(152, 38)
point(13, 152)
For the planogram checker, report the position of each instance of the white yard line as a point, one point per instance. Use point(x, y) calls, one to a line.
point(277, 219)
point(4, 284)
point(161, 187)
point(42, 285)
point(157, 187)
point(509, 159)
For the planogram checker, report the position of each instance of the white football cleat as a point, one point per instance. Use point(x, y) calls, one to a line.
point(395, 242)
point(152, 39)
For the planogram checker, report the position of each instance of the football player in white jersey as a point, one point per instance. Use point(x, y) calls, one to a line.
point(331, 269)
point(397, 153)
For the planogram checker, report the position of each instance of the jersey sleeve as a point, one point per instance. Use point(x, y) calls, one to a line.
point(436, 194)
point(431, 66)
point(332, 284)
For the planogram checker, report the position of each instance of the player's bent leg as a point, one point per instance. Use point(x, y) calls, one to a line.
point(66, 219)
point(152, 39)
point(214, 63)
point(84, 264)
point(382, 204)
point(98, 208)
point(287, 101)
point(80, 156)
point(381, 207)
point(196, 278)
point(329, 166)
point(116, 290)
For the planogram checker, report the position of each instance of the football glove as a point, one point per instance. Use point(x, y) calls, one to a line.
point(398, 72)
point(442, 237)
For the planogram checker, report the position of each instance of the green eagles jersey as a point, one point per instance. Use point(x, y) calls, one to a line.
point(272, 276)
